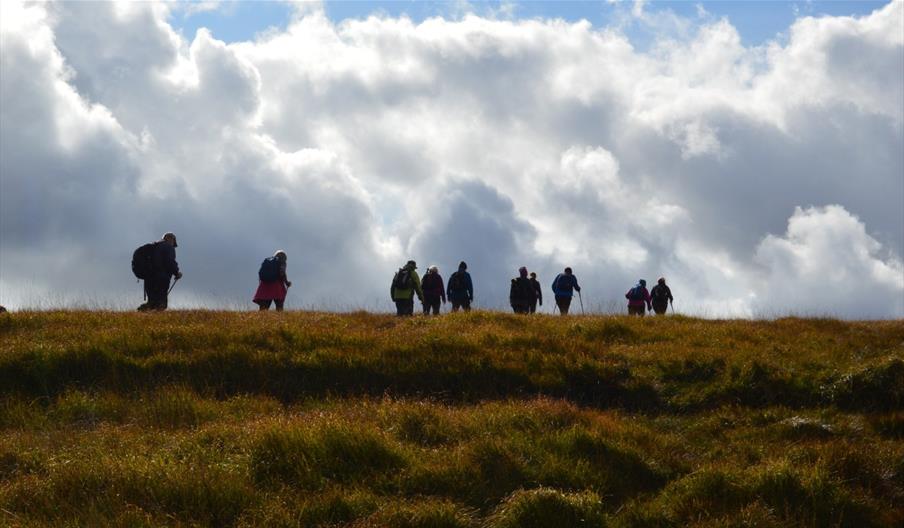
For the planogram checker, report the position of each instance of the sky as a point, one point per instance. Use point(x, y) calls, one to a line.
point(751, 153)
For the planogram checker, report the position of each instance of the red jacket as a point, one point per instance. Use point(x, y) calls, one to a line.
point(639, 302)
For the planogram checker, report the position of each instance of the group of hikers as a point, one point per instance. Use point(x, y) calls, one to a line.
point(155, 263)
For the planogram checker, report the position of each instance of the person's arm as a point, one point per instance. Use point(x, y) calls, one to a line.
point(169, 260)
point(648, 298)
point(575, 279)
point(470, 287)
point(282, 276)
point(442, 291)
point(669, 291)
point(417, 285)
point(539, 294)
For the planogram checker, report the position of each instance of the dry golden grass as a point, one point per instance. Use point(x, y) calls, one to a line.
point(481, 419)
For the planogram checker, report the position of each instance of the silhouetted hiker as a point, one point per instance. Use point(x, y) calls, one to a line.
point(662, 296)
point(2, 309)
point(563, 287)
point(638, 296)
point(538, 292)
point(434, 290)
point(155, 263)
point(460, 289)
point(273, 282)
point(522, 295)
point(405, 284)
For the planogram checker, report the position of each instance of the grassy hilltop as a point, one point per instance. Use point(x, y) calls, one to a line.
point(467, 420)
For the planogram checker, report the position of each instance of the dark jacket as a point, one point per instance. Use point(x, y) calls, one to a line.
point(165, 265)
point(432, 285)
point(465, 289)
point(661, 294)
point(563, 285)
point(522, 293)
point(538, 291)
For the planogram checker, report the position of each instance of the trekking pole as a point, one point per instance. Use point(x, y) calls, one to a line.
point(582, 302)
point(172, 286)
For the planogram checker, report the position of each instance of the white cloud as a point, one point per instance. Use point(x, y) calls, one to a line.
point(499, 142)
point(826, 263)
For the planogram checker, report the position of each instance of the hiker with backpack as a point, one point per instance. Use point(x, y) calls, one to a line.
point(522, 293)
point(538, 292)
point(662, 297)
point(563, 287)
point(460, 289)
point(434, 290)
point(155, 264)
point(405, 284)
point(638, 297)
point(273, 284)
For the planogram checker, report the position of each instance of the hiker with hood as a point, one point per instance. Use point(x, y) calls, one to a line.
point(161, 266)
point(662, 296)
point(460, 289)
point(538, 292)
point(563, 287)
point(522, 294)
point(405, 284)
point(273, 282)
point(638, 296)
point(434, 290)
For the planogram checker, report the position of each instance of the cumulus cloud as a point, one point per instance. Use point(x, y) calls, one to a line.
point(503, 142)
point(826, 254)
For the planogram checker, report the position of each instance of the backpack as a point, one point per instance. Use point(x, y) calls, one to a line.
point(269, 271)
point(636, 294)
point(456, 282)
point(660, 293)
point(402, 279)
point(143, 261)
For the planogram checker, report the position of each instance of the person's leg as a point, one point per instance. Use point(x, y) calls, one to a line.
point(435, 307)
point(455, 306)
point(533, 307)
point(157, 293)
point(426, 306)
point(279, 304)
point(400, 308)
point(466, 305)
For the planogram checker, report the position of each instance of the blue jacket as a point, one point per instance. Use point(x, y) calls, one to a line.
point(563, 285)
point(465, 291)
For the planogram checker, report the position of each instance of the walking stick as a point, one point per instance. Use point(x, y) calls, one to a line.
point(582, 302)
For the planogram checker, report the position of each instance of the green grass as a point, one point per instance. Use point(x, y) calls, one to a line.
point(468, 420)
